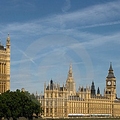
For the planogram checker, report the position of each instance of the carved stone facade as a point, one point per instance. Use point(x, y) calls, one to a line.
point(65, 101)
point(5, 66)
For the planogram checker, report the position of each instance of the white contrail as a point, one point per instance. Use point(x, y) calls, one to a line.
point(31, 59)
point(101, 24)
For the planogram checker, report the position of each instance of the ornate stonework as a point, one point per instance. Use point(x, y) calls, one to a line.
point(5, 66)
point(65, 101)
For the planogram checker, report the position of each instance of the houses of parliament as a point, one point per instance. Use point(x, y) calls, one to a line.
point(64, 101)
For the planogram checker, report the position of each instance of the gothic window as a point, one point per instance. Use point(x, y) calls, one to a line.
point(50, 110)
point(47, 103)
point(0, 67)
point(51, 95)
point(51, 103)
point(55, 103)
point(46, 110)
point(55, 110)
point(5, 68)
point(47, 95)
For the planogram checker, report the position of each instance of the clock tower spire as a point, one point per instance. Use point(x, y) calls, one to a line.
point(110, 84)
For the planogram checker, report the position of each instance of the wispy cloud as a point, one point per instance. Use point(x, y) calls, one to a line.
point(97, 14)
point(66, 6)
point(101, 24)
point(101, 40)
point(94, 16)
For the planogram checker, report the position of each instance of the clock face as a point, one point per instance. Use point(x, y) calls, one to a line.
point(109, 83)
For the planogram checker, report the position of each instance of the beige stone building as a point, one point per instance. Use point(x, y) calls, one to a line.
point(65, 101)
point(5, 66)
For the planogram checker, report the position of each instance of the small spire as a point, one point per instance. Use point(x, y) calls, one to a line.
point(51, 81)
point(8, 38)
point(98, 91)
point(70, 71)
point(110, 66)
point(71, 67)
point(93, 91)
point(110, 73)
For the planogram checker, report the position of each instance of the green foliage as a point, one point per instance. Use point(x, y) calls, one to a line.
point(18, 104)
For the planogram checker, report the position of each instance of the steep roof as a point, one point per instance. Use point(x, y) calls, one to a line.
point(110, 73)
point(2, 47)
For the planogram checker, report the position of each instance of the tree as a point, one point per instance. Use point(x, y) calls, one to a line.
point(4, 108)
point(18, 104)
point(31, 107)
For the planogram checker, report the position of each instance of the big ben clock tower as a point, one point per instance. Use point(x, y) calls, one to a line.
point(110, 84)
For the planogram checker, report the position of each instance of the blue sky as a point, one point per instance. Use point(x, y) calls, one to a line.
point(48, 35)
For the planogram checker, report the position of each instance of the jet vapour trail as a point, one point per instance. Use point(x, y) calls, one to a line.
point(30, 59)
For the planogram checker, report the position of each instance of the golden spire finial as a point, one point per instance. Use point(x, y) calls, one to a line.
point(8, 38)
point(70, 69)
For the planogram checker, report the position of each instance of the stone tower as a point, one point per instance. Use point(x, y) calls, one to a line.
point(5, 66)
point(110, 84)
point(70, 83)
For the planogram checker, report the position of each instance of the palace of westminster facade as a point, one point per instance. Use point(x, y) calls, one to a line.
point(64, 101)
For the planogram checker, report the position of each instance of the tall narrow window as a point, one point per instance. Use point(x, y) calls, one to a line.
point(4, 68)
point(0, 68)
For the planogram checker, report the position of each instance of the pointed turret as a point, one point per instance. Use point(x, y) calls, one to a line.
point(93, 89)
point(111, 66)
point(44, 86)
point(70, 73)
point(70, 84)
point(110, 73)
point(8, 61)
point(51, 85)
point(8, 41)
point(98, 91)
